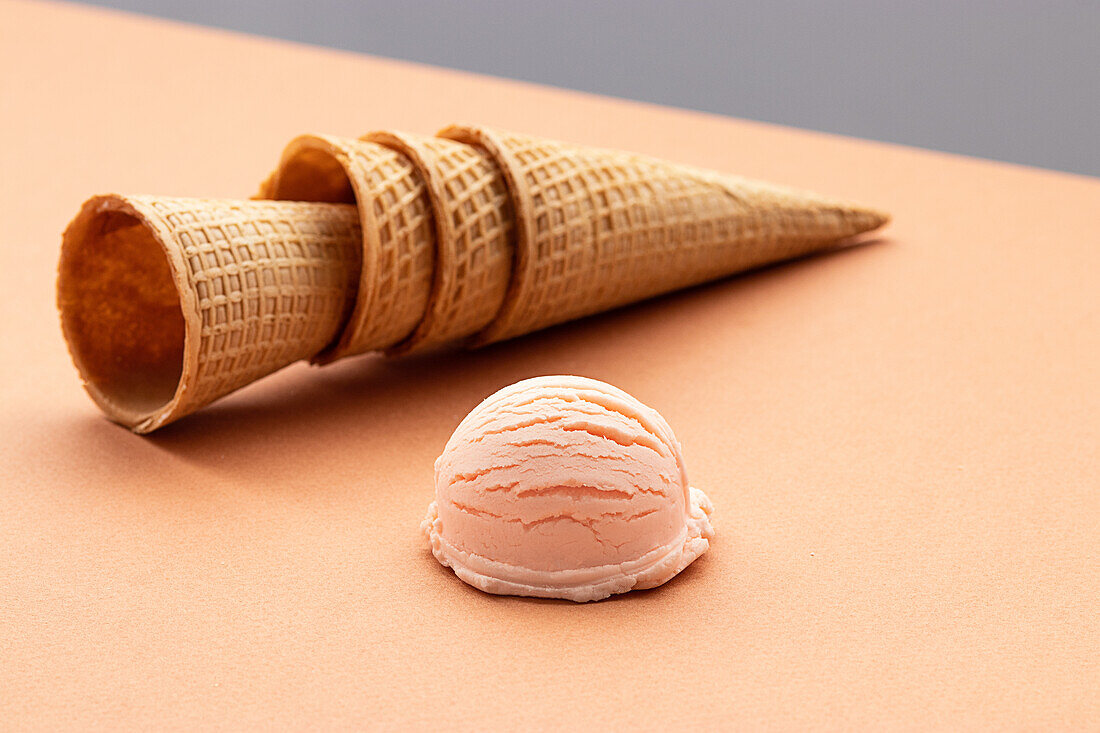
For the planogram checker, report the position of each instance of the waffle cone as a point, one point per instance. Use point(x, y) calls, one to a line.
point(398, 245)
point(168, 304)
point(473, 221)
point(597, 229)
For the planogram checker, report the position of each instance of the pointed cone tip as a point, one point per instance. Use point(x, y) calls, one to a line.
point(878, 219)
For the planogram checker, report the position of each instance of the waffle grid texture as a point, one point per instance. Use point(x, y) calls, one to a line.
point(474, 226)
point(398, 237)
point(597, 229)
point(271, 283)
point(168, 304)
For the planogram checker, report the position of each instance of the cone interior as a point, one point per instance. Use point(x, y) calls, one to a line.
point(121, 313)
point(311, 174)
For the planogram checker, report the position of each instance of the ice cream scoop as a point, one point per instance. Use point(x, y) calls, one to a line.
point(565, 487)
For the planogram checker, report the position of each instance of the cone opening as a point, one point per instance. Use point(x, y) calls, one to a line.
point(312, 174)
point(121, 313)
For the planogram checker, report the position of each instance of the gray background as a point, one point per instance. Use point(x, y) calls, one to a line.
point(1011, 80)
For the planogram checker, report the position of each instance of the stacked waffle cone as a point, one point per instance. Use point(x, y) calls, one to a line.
point(397, 242)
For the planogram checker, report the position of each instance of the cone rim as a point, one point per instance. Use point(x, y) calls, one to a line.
point(140, 421)
point(443, 279)
point(522, 261)
point(364, 294)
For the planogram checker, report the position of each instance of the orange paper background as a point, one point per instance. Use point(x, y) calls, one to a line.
point(900, 439)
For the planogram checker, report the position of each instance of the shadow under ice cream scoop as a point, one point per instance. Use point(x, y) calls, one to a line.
point(565, 487)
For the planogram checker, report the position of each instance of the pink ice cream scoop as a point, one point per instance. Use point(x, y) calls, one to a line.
point(565, 487)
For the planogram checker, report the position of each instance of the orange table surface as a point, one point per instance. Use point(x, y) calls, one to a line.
point(900, 440)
